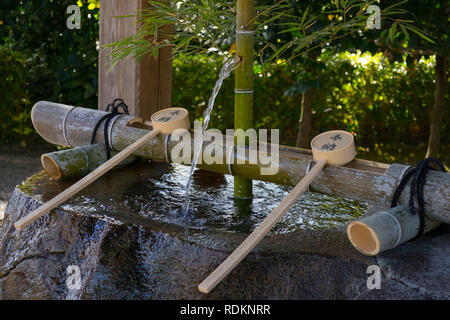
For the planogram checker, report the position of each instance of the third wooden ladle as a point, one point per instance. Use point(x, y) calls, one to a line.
point(164, 121)
point(333, 147)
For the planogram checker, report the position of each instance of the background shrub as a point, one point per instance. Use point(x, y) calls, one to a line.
point(50, 62)
point(379, 101)
point(384, 103)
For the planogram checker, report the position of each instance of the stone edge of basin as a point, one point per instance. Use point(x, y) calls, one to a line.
point(332, 242)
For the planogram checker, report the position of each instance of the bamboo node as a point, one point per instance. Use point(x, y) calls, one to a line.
point(64, 127)
point(245, 31)
point(243, 91)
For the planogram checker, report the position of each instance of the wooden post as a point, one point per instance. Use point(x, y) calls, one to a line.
point(145, 86)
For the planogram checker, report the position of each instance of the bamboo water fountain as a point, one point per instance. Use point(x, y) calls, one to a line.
point(361, 180)
point(164, 121)
point(358, 179)
point(352, 178)
point(69, 126)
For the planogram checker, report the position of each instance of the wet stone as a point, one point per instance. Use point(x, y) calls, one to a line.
point(128, 240)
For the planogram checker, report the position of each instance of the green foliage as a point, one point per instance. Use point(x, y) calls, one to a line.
point(55, 63)
point(283, 28)
point(376, 99)
point(191, 26)
point(14, 118)
point(434, 23)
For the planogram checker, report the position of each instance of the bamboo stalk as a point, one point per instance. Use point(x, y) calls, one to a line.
point(243, 105)
point(77, 162)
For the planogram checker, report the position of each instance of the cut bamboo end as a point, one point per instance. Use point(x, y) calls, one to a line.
point(51, 166)
point(363, 238)
point(386, 230)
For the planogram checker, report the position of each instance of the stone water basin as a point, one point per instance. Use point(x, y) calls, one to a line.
point(151, 195)
point(126, 235)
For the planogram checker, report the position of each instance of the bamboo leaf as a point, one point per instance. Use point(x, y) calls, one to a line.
point(419, 33)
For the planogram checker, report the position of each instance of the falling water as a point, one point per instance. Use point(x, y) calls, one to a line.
point(229, 66)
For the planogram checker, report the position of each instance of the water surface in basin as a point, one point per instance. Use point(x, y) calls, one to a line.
point(147, 193)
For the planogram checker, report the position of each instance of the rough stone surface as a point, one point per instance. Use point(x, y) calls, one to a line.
point(422, 265)
point(131, 261)
point(129, 258)
point(127, 261)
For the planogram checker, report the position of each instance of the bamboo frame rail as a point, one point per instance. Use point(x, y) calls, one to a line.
point(362, 180)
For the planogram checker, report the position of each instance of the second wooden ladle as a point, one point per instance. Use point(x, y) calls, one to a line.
point(333, 147)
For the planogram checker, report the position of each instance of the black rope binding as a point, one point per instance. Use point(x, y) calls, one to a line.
point(418, 175)
point(115, 105)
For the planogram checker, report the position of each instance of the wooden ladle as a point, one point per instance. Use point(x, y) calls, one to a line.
point(333, 147)
point(164, 121)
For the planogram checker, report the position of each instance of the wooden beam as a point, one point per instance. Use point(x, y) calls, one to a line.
point(145, 86)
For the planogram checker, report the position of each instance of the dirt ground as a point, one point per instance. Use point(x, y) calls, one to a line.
point(17, 163)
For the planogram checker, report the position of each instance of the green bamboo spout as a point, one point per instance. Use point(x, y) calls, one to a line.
point(243, 103)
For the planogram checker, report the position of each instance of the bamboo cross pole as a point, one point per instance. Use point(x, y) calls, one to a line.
point(361, 180)
point(77, 162)
point(333, 147)
point(164, 121)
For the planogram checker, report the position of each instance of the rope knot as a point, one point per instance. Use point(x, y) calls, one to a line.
point(114, 106)
point(418, 175)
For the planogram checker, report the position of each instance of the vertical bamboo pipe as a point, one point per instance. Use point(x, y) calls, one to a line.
point(243, 101)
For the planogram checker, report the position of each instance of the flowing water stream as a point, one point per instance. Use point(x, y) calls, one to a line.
point(227, 68)
point(149, 194)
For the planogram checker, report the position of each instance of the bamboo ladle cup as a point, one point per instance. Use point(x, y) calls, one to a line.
point(333, 147)
point(164, 121)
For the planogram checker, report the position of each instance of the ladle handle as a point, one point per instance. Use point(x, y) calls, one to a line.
point(258, 234)
point(87, 180)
